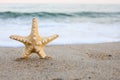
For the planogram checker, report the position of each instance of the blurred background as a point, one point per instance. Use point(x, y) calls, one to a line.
point(76, 22)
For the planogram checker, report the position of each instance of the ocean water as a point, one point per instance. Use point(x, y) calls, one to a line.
point(75, 23)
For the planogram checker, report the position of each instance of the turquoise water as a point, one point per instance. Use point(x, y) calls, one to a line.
point(62, 12)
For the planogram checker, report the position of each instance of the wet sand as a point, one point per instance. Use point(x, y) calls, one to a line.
point(69, 62)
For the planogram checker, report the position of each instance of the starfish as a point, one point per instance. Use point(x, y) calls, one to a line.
point(33, 42)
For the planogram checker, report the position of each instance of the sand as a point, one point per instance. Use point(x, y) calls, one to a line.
point(69, 62)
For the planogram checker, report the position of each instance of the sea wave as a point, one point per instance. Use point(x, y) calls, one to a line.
point(9, 14)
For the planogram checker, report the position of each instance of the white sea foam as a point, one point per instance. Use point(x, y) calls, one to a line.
point(69, 33)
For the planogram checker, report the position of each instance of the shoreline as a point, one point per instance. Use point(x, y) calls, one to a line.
point(99, 61)
point(75, 44)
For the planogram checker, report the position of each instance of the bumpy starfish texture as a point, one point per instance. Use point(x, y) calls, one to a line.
point(34, 43)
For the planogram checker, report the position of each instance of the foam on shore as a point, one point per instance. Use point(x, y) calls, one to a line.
point(69, 33)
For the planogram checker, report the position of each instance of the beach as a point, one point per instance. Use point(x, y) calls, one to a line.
point(88, 46)
point(69, 62)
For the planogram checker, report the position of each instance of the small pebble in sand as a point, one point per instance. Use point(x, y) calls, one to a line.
point(57, 79)
point(76, 79)
point(89, 77)
point(110, 55)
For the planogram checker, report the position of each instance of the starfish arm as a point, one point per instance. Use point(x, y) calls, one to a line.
point(26, 53)
point(34, 29)
point(42, 54)
point(49, 39)
point(20, 38)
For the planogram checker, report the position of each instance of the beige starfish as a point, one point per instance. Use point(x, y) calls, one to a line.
point(33, 42)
